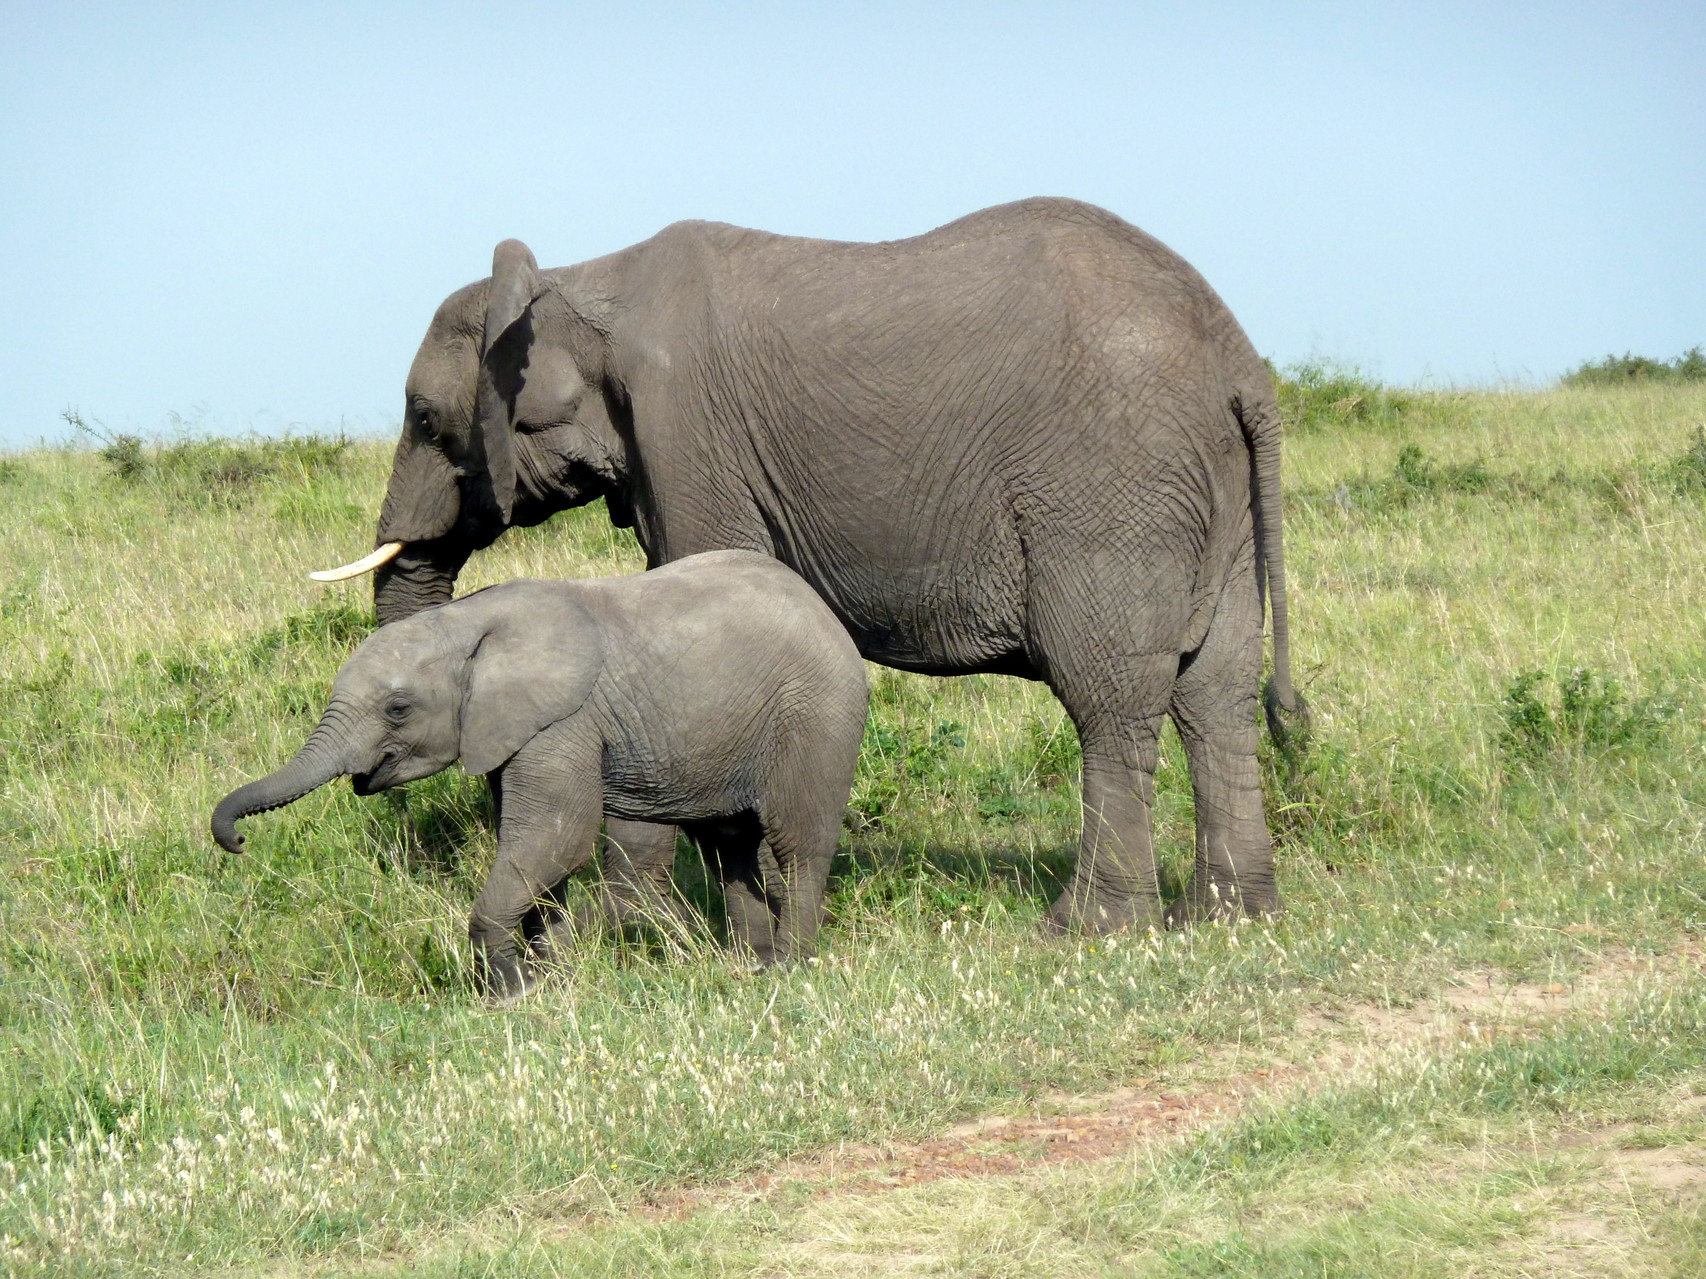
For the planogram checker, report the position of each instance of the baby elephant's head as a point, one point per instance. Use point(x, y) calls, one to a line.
point(473, 680)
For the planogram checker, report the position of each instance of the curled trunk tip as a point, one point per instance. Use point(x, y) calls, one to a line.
point(286, 786)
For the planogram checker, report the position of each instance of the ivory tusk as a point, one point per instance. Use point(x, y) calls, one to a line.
point(366, 564)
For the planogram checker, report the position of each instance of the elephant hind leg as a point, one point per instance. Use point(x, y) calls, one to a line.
point(1214, 706)
point(1112, 659)
point(734, 850)
point(635, 887)
point(1114, 884)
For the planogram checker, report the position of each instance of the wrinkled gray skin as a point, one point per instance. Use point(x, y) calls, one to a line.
point(717, 693)
point(1033, 441)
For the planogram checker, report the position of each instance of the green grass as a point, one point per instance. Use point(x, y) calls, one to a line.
point(276, 1060)
point(1484, 1159)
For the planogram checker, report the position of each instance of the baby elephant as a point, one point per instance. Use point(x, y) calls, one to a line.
point(718, 693)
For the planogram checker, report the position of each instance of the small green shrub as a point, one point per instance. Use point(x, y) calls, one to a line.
point(334, 626)
point(1687, 471)
point(1420, 474)
point(1416, 477)
point(1590, 710)
point(212, 470)
point(123, 453)
point(1321, 393)
point(1055, 757)
point(59, 1115)
point(1041, 781)
point(896, 759)
point(1616, 370)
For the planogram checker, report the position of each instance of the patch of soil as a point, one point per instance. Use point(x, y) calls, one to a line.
point(1075, 1129)
point(1667, 1169)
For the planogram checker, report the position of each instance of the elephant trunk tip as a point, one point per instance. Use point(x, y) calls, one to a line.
point(284, 787)
point(224, 825)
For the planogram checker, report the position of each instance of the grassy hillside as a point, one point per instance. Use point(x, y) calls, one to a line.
point(275, 1061)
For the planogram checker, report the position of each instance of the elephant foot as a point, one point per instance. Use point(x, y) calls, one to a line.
point(750, 960)
point(508, 979)
point(1220, 903)
point(1098, 915)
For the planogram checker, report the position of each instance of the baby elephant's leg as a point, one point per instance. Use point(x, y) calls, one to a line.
point(734, 851)
point(551, 808)
point(801, 813)
point(636, 887)
point(802, 875)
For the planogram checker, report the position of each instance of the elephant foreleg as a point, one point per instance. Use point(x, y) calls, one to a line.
point(552, 802)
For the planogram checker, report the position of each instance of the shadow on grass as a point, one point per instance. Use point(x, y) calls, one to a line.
point(434, 822)
point(944, 880)
point(427, 830)
point(869, 884)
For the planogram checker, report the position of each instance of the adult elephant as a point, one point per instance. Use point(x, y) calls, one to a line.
point(1033, 441)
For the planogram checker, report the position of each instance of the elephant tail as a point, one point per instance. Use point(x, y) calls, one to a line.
point(1258, 416)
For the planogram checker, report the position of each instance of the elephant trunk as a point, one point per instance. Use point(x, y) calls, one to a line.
point(420, 526)
point(421, 576)
point(319, 761)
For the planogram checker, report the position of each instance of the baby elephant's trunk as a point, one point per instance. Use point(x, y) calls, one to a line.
point(315, 765)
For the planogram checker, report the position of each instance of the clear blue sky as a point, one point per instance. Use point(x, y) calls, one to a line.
point(246, 214)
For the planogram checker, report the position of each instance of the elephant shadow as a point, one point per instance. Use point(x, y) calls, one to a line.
point(430, 826)
point(947, 880)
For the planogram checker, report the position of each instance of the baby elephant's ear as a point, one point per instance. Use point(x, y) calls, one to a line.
point(535, 664)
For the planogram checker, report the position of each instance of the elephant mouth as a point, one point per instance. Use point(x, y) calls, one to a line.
point(382, 776)
point(375, 779)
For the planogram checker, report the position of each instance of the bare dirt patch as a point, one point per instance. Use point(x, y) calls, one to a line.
point(1069, 1129)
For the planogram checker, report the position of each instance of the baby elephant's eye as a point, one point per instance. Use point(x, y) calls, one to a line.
point(397, 709)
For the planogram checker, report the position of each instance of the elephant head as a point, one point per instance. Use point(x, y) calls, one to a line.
point(474, 681)
point(507, 420)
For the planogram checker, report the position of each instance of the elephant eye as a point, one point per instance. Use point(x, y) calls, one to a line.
point(424, 424)
point(397, 709)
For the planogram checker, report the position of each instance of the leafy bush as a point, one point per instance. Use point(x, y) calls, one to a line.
point(1415, 477)
point(1687, 471)
point(896, 759)
point(1590, 710)
point(213, 470)
point(1042, 780)
point(1615, 370)
point(1319, 393)
point(59, 1115)
point(1418, 473)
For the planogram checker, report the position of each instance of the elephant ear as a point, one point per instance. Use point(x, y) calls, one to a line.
point(534, 663)
point(515, 283)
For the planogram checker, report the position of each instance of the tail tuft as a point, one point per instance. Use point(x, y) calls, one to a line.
point(1288, 722)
